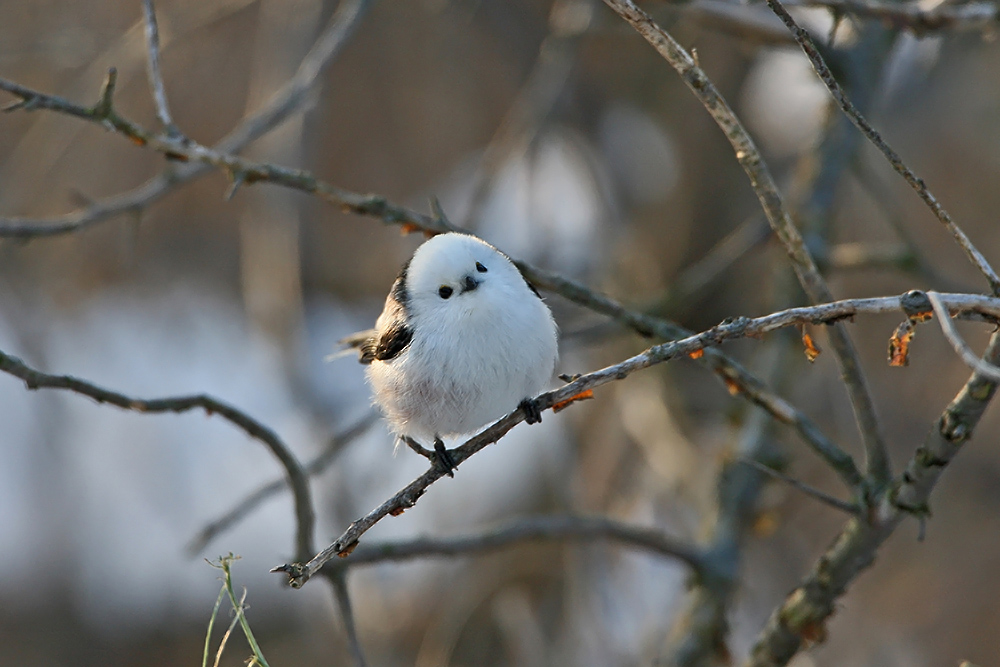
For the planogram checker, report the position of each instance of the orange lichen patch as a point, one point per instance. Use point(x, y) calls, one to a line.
point(899, 344)
point(138, 141)
point(697, 354)
point(582, 396)
point(409, 228)
point(348, 550)
point(922, 317)
point(812, 351)
point(397, 511)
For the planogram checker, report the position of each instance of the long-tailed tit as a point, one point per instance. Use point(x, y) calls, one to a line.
point(462, 341)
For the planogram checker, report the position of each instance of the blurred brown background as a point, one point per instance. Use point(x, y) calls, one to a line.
point(606, 170)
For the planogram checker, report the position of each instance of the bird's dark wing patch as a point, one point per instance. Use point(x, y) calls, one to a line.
point(392, 341)
point(400, 293)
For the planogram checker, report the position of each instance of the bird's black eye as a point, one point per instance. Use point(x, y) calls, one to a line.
point(444, 291)
point(480, 268)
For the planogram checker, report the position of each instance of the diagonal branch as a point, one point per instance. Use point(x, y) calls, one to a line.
point(767, 192)
point(153, 65)
point(738, 379)
point(806, 609)
point(339, 583)
point(305, 518)
point(811, 491)
point(917, 183)
point(914, 16)
point(741, 327)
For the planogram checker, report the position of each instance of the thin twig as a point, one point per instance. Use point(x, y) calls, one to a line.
point(802, 616)
point(338, 580)
point(738, 379)
point(153, 66)
point(277, 109)
point(297, 480)
point(912, 16)
point(970, 358)
point(253, 500)
point(238, 168)
point(811, 491)
point(526, 530)
point(805, 41)
point(731, 329)
point(766, 190)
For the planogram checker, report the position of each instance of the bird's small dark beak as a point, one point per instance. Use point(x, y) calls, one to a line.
point(469, 283)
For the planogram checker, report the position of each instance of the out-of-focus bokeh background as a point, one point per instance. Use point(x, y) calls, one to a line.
point(559, 135)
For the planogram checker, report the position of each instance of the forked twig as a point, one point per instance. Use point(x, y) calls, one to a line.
point(970, 358)
point(805, 41)
point(770, 199)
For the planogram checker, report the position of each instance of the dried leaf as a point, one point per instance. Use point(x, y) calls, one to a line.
point(899, 344)
point(697, 354)
point(812, 351)
point(397, 511)
point(582, 396)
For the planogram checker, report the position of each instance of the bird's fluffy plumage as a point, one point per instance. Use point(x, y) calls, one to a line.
point(463, 339)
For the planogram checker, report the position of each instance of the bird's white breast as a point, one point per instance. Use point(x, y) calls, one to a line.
point(468, 366)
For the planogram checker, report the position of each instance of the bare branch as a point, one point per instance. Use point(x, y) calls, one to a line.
point(806, 609)
point(979, 16)
point(281, 105)
point(737, 378)
point(810, 491)
point(823, 71)
point(526, 530)
point(970, 358)
point(153, 66)
point(766, 190)
point(741, 327)
point(339, 582)
point(297, 480)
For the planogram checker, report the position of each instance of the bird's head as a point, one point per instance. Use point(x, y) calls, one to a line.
point(458, 274)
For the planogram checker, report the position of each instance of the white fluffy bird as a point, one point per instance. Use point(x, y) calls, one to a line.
point(462, 341)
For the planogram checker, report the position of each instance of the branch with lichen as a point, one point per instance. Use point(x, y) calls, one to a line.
point(972, 306)
point(739, 380)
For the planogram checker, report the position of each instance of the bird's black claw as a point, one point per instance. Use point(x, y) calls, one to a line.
point(443, 458)
point(532, 411)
